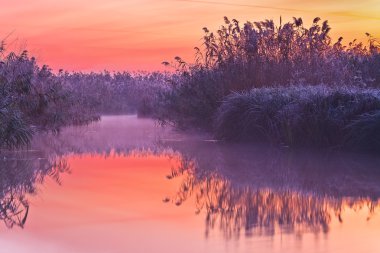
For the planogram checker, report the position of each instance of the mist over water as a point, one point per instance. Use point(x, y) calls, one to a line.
point(126, 184)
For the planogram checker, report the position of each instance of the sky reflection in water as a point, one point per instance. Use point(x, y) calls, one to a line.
point(128, 185)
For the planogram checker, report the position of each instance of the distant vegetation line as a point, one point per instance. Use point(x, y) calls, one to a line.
point(285, 83)
point(34, 99)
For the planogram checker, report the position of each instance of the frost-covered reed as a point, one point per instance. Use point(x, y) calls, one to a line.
point(314, 116)
point(33, 98)
point(288, 84)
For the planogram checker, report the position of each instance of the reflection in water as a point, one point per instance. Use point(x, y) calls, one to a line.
point(118, 134)
point(20, 172)
point(238, 189)
point(239, 202)
point(259, 167)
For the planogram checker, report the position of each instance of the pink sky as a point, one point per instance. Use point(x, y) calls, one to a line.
point(140, 34)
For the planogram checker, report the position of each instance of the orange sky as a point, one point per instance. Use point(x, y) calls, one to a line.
point(140, 34)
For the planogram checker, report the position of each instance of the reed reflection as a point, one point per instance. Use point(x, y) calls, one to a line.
point(21, 172)
point(254, 196)
point(242, 189)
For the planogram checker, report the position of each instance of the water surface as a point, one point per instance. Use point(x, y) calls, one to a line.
point(125, 184)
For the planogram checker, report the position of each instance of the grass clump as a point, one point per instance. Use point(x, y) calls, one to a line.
point(316, 116)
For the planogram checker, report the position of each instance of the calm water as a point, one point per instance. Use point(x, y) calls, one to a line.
point(126, 185)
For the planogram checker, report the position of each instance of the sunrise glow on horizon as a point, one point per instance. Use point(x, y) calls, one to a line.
point(140, 34)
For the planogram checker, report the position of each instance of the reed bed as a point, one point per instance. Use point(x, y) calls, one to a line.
point(34, 99)
point(314, 116)
point(239, 58)
point(287, 83)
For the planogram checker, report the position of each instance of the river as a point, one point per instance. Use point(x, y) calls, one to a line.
point(126, 184)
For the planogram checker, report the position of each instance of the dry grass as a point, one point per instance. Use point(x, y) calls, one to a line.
point(289, 84)
point(316, 116)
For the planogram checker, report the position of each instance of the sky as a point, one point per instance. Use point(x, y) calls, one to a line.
point(117, 35)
